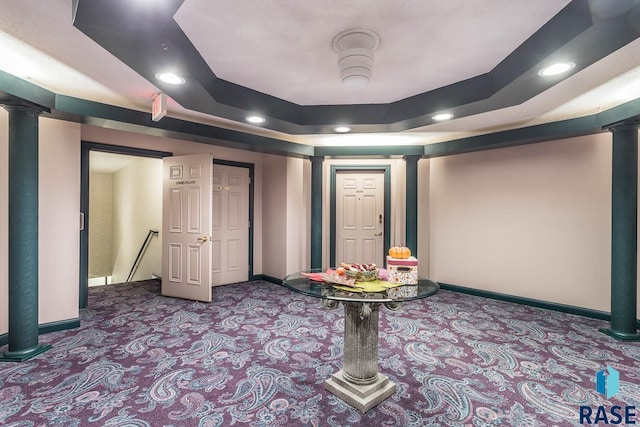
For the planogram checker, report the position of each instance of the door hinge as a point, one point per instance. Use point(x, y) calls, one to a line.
point(249, 224)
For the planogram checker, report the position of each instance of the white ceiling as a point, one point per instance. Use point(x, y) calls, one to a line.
point(108, 163)
point(283, 48)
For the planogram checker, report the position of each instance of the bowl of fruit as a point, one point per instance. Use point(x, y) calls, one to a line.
point(359, 272)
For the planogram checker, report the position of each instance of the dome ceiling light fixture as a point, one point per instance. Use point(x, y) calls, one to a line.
point(342, 129)
point(255, 119)
point(171, 78)
point(442, 117)
point(556, 69)
point(355, 56)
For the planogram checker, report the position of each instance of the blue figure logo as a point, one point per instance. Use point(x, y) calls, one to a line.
point(608, 384)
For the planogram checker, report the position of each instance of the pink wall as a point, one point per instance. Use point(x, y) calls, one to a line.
point(532, 221)
point(59, 219)
point(274, 215)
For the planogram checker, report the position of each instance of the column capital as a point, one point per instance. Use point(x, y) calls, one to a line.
point(411, 158)
point(623, 125)
point(318, 159)
point(24, 107)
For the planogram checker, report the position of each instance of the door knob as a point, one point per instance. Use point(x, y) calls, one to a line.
point(203, 239)
point(378, 234)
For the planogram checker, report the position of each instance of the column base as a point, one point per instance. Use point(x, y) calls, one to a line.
point(621, 336)
point(361, 397)
point(21, 356)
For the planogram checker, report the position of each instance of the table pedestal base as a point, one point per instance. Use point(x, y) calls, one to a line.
point(361, 397)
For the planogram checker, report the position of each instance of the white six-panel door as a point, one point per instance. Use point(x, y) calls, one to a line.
point(186, 226)
point(359, 217)
point(230, 228)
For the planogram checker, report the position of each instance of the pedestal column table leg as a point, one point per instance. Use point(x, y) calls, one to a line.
point(359, 383)
point(361, 343)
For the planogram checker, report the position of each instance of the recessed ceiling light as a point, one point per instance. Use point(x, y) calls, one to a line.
point(255, 119)
point(555, 69)
point(170, 78)
point(442, 116)
point(342, 129)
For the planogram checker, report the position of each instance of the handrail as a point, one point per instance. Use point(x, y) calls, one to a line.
point(141, 253)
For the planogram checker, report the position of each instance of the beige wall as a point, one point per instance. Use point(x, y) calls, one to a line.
point(4, 221)
point(274, 216)
point(59, 220)
point(532, 221)
point(286, 214)
point(100, 224)
point(297, 214)
point(137, 208)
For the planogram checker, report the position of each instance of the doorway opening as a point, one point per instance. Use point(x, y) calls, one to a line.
point(121, 205)
point(232, 228)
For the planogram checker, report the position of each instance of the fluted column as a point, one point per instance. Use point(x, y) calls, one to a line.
point(316, 211)
point(23, 234)
point(358, 382)
point(361, 342)
point(624, 232)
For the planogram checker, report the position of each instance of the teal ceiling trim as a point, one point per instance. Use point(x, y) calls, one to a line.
point(12, 86)
point(629, 111)
point(16, 90)
point(108, 116)
point(514, 137)
point(371, 150)
point(595, 123)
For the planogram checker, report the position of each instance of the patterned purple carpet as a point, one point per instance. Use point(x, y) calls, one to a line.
point(259, 354)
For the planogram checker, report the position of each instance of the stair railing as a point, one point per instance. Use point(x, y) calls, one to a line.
point(141, 253)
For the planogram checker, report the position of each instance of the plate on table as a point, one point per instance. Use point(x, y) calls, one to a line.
point(331, 277)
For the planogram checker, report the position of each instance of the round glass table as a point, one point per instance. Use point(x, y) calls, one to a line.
point(359, 383)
